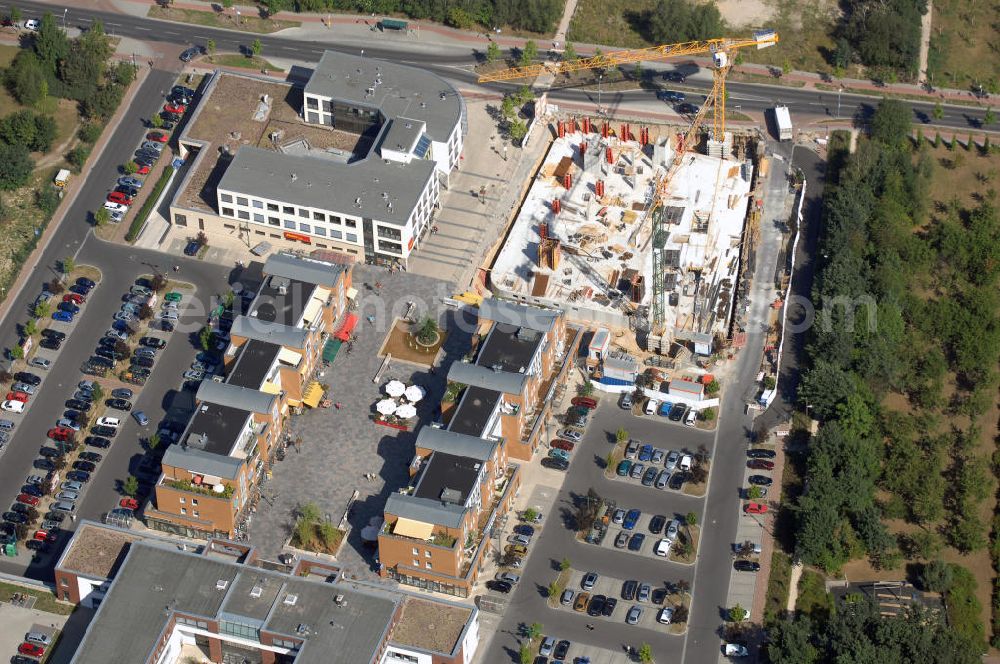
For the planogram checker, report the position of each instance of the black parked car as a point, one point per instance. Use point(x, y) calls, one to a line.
point(677, 412)
point(746, 566)
point(677, 480)
point(97, 441)
point(43, 464)
point(50, 343)
point(145, 362)
point(14, 517)
point(78, 404)
point(609, 606)
point(27, 377)
point(85, 282)
point(32, 490)
point(555, 464)
point(78, 475)
point(119, 404)
point(85, 466)
point(499, 586)
point(761, 454)
point(656, 524)
point(152, 342)
point(596, 605)
point(760, 480)
point(92, 457)
point(54, 334)
point(190, 54)
point(191, 248)
point(107, 432)
point(58, 517)
point(49, 452)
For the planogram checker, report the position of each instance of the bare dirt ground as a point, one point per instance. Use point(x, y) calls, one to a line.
point(745, 12)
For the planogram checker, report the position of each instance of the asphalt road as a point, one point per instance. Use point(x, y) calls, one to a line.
point(557, 541)
point(120, 265)
point(455, 63)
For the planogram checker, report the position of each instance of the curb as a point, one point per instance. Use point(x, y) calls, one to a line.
point(73, 188)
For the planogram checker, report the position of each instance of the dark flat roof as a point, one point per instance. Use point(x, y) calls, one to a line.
point(510, 347)
point(215, 428)
point(448, 478)
point(282, 300)
point(252, 365)
point(474, 410)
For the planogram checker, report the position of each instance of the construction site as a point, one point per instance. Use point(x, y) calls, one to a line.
point(589, 239)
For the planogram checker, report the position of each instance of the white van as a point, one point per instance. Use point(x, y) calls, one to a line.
point(13, 406)
point(109, 422)
point(691, 418)
point(651, 406)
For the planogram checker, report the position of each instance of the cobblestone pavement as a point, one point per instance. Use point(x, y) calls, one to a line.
point(340, 445)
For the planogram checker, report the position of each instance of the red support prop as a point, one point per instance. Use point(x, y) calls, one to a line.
point(599, 188)
point(568, 181)
point(556, 206)
point(605, 130)
point(610, 157)
point(583, 148)
point(562, 130)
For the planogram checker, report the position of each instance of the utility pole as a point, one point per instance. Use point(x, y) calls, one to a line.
point(839, 90)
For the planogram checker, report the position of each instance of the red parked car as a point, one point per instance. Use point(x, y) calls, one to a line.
point(75, 298)
point(156, 136)
point(755, 508)
point(129, 503)
point(760, 464)
point(26, 499)
point(60, 434)
point(174, 108)
point(119, 197)
point(561, 444)
point(141, 170)
point(31, 649)
point(586, 402)
point(44, 536)
point(17, 396)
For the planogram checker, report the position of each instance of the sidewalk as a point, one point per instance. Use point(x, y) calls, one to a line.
point(323, 27)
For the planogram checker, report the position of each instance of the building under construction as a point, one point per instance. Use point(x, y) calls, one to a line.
point(589, 240)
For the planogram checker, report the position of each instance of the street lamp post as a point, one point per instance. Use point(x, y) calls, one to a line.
point(839, 90)
point(600, 78)
point(65, 11)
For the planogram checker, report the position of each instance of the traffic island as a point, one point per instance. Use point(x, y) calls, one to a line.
point(685, 550)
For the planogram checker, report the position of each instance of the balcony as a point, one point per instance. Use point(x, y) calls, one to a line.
point(487, 517)
point(441, 540)
point(201, 489)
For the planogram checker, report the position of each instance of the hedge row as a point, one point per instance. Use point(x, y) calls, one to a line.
point(140, 219)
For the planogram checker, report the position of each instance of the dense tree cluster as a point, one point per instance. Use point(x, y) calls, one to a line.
point(856, 633)
point(75, 69)
point(882, 33)
point(902, 301)
point(531, 15)
point(673, 21)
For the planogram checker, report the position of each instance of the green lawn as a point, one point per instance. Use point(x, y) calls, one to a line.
point(964, 44)
point(813, 598)
point(237, 60)
point(777, 587)
point(225, 19)
point(45, 601)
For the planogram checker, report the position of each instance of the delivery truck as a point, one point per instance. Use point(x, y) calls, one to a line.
point(783, 123)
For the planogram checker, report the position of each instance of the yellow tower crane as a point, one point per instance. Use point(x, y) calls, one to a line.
point(723, 51)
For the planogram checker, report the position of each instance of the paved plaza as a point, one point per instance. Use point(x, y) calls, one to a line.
point(339, 446)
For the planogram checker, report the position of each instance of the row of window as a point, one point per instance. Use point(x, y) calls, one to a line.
point(194, 623)
point(288, 209)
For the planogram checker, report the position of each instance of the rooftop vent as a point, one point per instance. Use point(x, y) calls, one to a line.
point(497, 368)
point(339, 600)
point(443, 96)
point(294, 177)
point(451, 496)
point(221, 584)
point(256, 592)
point(291, 599)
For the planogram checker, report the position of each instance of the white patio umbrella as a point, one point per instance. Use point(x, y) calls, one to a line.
point(414, 393)
point(406, 411)
point(386, 406)
point(394, 388)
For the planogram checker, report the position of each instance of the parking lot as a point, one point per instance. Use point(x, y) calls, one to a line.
point(559, 539)
point(649, 596)
point(643, 539)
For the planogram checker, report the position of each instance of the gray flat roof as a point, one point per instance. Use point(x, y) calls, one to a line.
point(304, 269)
point(448, 478)
point(452, 442)
point(202, 462)
point(509, 347)
point(402, 134)
point(507, 382)
point(255, 360)
point(281, 301)
point(403, 91)
point(424, 509)
point(322, 183)
point(216, 428)
point(244, 398)
point(522, 315)
point(474, 410)
point(152, 583)
point(273, 333)
point(157, 580)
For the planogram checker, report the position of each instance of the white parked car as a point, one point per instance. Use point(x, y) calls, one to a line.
point(662, 547)
point(106, 421)
point(13, 406)
point(115, 207)
point(686, 462)
point(736, 650)
point(32, 24)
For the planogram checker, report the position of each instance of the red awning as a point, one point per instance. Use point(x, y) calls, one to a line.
point(344, 333)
